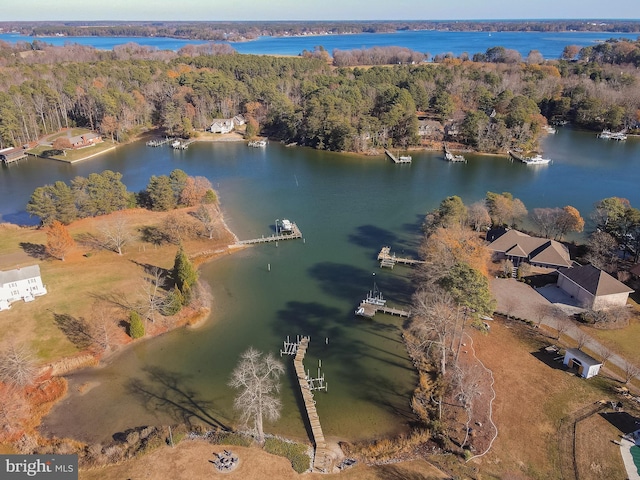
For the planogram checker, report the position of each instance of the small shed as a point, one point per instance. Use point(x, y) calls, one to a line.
point(587, 366)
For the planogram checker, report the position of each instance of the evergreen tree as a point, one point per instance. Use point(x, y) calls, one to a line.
point(136, 327)
point(184, 274)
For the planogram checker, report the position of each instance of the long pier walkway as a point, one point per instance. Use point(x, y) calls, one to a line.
point(295, 233)
point(386, 259)
point(401, 159)
point(321, 457)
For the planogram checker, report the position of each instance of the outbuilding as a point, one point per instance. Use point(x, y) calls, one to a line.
point(593, 288)
point(587, 366)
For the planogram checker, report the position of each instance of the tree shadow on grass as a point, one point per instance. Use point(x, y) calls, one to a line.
point(168, 391)
point(34, 250)
point(90, 241)
point(77, 330)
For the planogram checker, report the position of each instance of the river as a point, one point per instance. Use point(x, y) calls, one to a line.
point(549, 44)
point(347, 207)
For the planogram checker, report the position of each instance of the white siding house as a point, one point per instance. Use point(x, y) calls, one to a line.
point(587, 366)
point(20, 284)
point(221, 125)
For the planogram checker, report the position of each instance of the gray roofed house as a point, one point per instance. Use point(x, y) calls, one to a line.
point(518, 247)
point(21, 283)
point(593, 287)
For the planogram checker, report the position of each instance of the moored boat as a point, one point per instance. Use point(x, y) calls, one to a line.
point(536, 160)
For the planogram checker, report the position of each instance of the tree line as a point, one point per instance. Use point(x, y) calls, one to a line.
point(104, 193)
point(497, 104)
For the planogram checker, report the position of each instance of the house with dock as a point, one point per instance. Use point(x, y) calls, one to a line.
point(20, 284)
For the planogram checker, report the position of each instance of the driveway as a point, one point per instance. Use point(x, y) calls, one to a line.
point(518, 299)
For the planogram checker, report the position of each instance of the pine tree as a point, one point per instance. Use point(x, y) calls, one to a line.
point(136, 327)
point(184, 274)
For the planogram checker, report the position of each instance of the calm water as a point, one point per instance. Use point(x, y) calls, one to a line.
point(347, 207)
point(550, 44)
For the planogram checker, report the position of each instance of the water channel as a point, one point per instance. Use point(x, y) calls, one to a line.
point(347, 207)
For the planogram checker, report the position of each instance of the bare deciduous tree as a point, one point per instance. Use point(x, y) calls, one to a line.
point(208, 214)
point(434, 324)
point(630, 372)
point(153, 292)
point(605, 354)
point(561, 326)
point(582, 338)
point(116, 233)
point(258, 378)
point(467, 382)
point(17, 366)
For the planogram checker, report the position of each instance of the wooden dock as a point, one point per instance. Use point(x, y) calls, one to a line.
point(400, 159)
point(369, 310)
point(450, 157)
point(388, 260)
point(158, 142)
point(182, 144)
point(321, 460)
point(295, 233)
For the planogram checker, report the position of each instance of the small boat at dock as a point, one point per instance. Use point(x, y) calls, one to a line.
point(535, 160)
point(257, 143)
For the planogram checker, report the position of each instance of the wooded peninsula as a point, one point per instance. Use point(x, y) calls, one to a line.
point(491, 101)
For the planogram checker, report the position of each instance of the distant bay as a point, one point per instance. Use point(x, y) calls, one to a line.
point(550, 44)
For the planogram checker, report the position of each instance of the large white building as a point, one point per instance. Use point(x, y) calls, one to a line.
point(20, 284)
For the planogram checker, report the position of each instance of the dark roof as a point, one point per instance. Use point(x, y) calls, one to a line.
point(537, 250)
point(594, 280)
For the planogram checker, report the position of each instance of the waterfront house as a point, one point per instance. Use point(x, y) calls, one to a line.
point(593, 288)
point(85, 140)
point(239, 120)
point(520, 247)
point(587, 366)
point(221, 125)
point(20, 284)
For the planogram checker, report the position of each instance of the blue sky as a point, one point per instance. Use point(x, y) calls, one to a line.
point(314, 9)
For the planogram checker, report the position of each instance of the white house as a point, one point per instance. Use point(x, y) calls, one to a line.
point(587, 366)
point(22, 283)
point(593, 288)
point(221, 125)
point(239, 120)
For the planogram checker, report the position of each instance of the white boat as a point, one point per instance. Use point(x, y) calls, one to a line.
point(176, 144)
point(618, 136)
point(405, 158)
point(550, 129)
point(536, 160)
point(286, 226)
point(258, 143)
point(606, 134)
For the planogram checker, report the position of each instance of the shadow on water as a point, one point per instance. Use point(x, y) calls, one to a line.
point(372, 237)
point(309, 318)
point(168, 391)
point(352, 283)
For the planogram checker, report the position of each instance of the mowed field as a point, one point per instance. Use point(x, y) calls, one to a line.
point(89, 275)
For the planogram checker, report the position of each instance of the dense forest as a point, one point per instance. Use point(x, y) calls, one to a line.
point(249, 30)
point(493, 101)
